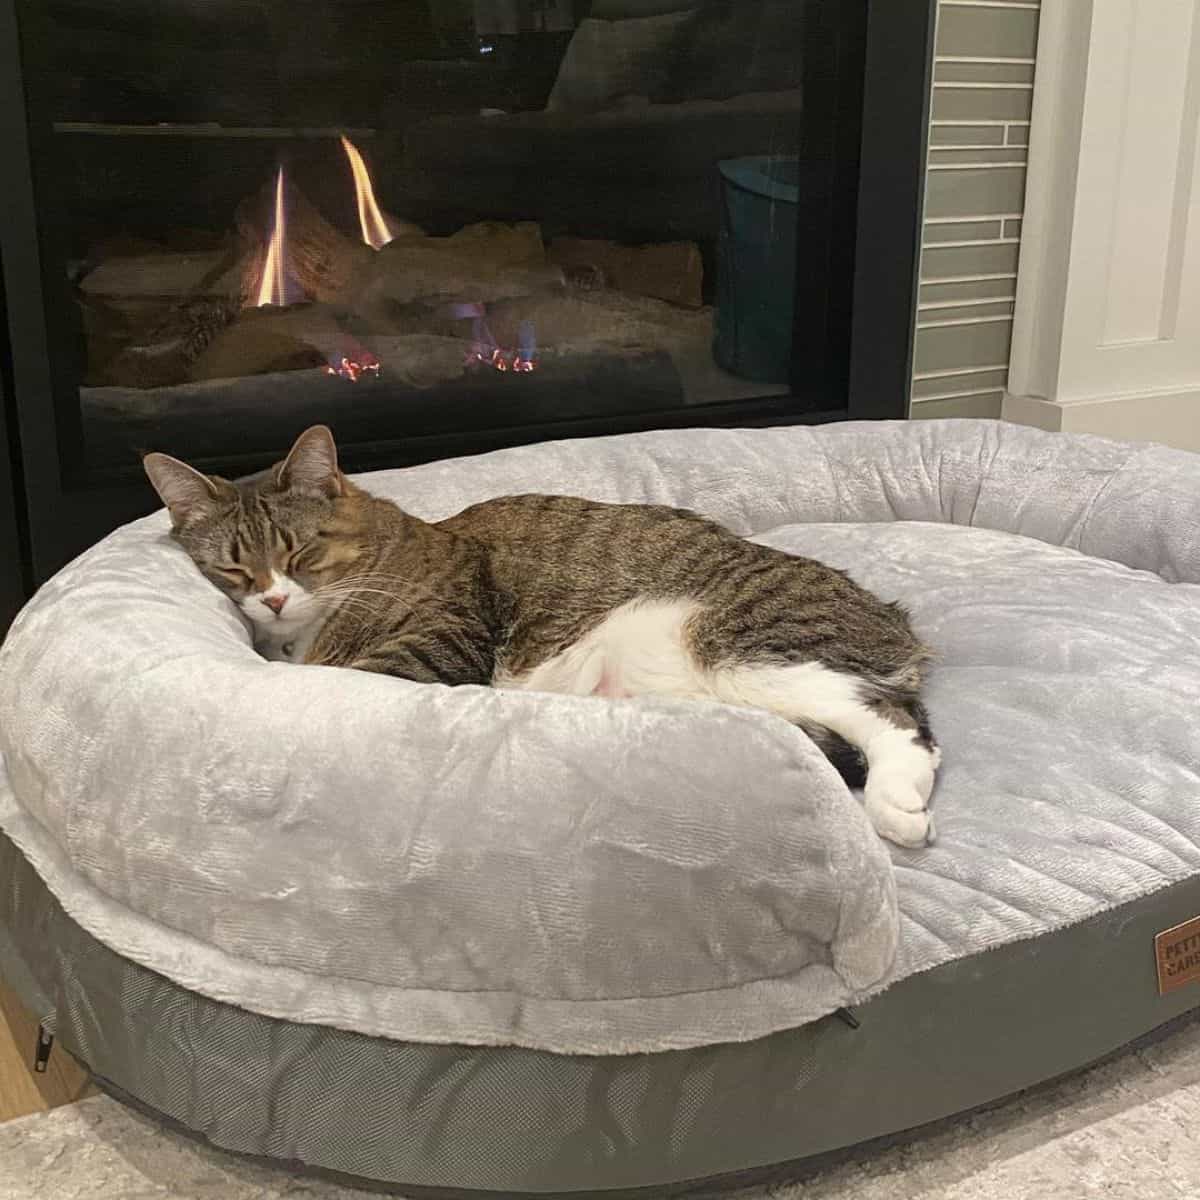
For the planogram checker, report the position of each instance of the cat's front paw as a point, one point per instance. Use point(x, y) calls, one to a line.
point(898, 812)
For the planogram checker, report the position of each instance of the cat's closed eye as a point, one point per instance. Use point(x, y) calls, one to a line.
point(288, 549)
point(234, 574)
point(295, 557)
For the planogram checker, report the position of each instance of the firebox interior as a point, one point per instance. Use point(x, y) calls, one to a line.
point(544, 195)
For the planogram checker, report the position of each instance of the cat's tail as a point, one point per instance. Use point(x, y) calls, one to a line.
point(847, 760)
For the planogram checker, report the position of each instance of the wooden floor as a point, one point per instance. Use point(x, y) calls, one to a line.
point(21, 1091)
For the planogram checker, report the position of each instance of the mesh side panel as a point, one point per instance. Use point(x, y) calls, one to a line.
point(494, 1119)
point(519, 1121)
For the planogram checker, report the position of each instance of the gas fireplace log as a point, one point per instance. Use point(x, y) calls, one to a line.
point(671, 271)
point(478, 265)
point(164, 354)
point(255, 414)
point(321, 260)
point(595, 321)
point(182, 312)
point(161, 276)
point(264, 340)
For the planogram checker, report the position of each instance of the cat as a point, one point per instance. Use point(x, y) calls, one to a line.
point(558, 594)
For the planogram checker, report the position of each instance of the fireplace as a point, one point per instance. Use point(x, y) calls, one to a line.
point(441, 227)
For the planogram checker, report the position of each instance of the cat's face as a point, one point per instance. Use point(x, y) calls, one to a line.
point(263, 542)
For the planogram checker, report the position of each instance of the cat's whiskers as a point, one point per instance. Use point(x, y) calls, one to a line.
point(359, 600)
point(358, 585)
point(365, 582)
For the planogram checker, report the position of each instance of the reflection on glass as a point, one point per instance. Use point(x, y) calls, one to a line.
point(524, 211)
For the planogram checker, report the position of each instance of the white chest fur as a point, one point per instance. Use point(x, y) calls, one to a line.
point(290, 646)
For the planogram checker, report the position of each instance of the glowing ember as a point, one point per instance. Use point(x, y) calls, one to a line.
point(365, 363)
point(375, 230)
point(274, 286)
point(485, 351)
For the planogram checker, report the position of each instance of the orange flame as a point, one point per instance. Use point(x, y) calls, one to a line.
point(375, 230)
point(272, 288)
point(354, 368)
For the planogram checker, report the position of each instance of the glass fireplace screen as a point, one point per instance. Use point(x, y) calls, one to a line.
point(415, 218)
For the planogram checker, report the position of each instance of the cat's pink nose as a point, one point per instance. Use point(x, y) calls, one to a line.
point(274, 603)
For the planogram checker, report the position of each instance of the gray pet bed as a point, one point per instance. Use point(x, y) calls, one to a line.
point(472, 939)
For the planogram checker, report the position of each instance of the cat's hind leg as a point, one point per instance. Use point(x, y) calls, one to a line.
point(891, 731)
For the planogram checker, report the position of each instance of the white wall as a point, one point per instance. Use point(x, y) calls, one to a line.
point(1107, 326)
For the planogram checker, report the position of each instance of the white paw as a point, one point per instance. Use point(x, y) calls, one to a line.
point(901, 766)
point(921, 770)
point(897, 800)
point(905, 828)
point(887, 789)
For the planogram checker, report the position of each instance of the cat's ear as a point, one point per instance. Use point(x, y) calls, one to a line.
point(312, 466)
point(187, 493)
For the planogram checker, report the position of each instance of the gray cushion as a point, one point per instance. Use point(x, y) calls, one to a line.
point(609, 60)
point(735, 48)
point(584, 876)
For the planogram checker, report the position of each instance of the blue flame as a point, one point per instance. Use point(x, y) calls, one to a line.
point(526, 341)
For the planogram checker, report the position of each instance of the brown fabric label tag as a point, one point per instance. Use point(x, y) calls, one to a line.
point(1177, 953)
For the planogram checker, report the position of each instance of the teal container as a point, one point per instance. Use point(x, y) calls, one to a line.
point(756, 267)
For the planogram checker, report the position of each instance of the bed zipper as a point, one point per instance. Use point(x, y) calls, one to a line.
point(44, 1043)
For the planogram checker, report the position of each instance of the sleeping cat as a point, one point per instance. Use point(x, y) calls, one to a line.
point(557, 594)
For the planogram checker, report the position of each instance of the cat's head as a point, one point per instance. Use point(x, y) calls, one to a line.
point(264, 541)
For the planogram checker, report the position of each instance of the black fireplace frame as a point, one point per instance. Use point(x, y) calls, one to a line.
point(49, 513)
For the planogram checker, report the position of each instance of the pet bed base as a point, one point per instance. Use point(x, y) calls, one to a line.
point(521, 1121)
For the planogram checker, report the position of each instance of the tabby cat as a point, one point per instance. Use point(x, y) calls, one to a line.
point(557, 594)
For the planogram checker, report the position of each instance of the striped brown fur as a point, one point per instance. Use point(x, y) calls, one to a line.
point(508, 584)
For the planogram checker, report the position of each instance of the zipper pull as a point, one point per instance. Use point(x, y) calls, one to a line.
point(41, 1053)
point(849, 1017)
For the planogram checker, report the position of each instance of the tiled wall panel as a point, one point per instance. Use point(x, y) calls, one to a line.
point(979, 134)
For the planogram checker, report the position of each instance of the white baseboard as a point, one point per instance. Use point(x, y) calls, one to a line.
point(1032, 410)
point(1171, 418)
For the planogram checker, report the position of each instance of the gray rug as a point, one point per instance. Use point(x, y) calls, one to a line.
point(1125, 1130)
